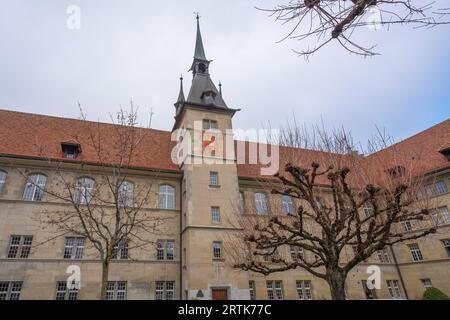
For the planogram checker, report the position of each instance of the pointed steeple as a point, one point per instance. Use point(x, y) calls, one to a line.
point(199, 50)
point(181, 94)
point(200, 63)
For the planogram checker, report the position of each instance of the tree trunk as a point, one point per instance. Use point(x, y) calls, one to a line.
point(336, 280)
point(105, 272)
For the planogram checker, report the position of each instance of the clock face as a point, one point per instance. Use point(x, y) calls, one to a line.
point(202, 68)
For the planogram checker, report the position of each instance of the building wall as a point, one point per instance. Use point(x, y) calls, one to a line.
point(194, 267)
point(45, 264)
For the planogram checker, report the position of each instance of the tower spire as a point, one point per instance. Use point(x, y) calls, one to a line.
point(199, 49)
point(181, 94)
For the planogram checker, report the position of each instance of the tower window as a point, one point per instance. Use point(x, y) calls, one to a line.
point(213, 178)
point(215, 214)
point(217, 249)
point(209, 124)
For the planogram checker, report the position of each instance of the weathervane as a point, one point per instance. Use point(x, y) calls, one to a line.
point(197, 15)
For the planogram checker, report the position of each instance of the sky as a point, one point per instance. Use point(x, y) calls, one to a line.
point(137, 49)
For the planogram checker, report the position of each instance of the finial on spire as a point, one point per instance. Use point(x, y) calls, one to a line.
point(197, 15)
point(220, 87)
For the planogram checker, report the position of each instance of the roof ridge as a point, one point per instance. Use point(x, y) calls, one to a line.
point(433, 127)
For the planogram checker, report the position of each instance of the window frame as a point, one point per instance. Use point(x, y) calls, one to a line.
point(304, 289)
point(67, 293)
point(261, 203)
point(22, 250)
point(252, 289)
point(125, 198)
point(120, 250)
point(114, 293)
point(3, 175)
point(288, 206)
point(75, 248)
point(34, 190)
point(11, 292)
point(416, 253)
point(217, 250)
point(214, 179)
point(215, 214)
point(83, 193)
point(165, 194)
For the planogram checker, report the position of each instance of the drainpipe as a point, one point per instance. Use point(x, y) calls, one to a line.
point(181, 238)
point(399, 272)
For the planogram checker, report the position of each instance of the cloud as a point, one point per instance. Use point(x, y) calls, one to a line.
point(139, 48)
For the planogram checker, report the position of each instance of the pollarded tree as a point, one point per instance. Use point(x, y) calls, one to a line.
point(317, 23)
point(344, 201)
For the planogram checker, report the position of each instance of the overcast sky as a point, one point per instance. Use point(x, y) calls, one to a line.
point(138, 49)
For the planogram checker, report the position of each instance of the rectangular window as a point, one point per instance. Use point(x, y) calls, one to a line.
point(165, 249)
point(164, 290)
point(297, 253)
point(241, 202)
point(274, 289)
point(436, 189)
point(407, 226)
point(279, 289)
point(213, 178)
point(209, 124)
point(74, 248)
point(440, 216)
point(217, 249)
point(394, 288)
point(446, 244)
point(120, 251)
point(64, 293)
point(383, 255)
point(288, 207)
point(215, 214)
point(269, 286)
point(2, 180)
point(116, 290)
point(170, 249)
point(10, 290)
point(370, 293)
point(304, 290)
point(368, 209)
point(20, 247)
point(252, 289)
point(415, 252)
point(426, 283)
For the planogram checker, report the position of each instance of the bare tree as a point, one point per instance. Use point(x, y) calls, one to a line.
point(342, 202)
point(318, 22)
point(110, 212)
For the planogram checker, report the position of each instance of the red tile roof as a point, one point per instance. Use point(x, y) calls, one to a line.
point(39, 136)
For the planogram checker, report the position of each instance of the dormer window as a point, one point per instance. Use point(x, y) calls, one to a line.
point(70, 150)
point(446, 153)
point(397, 171)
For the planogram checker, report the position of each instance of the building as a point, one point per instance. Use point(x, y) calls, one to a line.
point(189, 261)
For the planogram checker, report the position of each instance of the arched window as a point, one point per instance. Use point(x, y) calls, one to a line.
point(34, 188)
point(166, 197)
point(241, 202)
point(260, 203)
point(2, 180)
point(84, 190)
point(288, 207)
point(125, 194)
